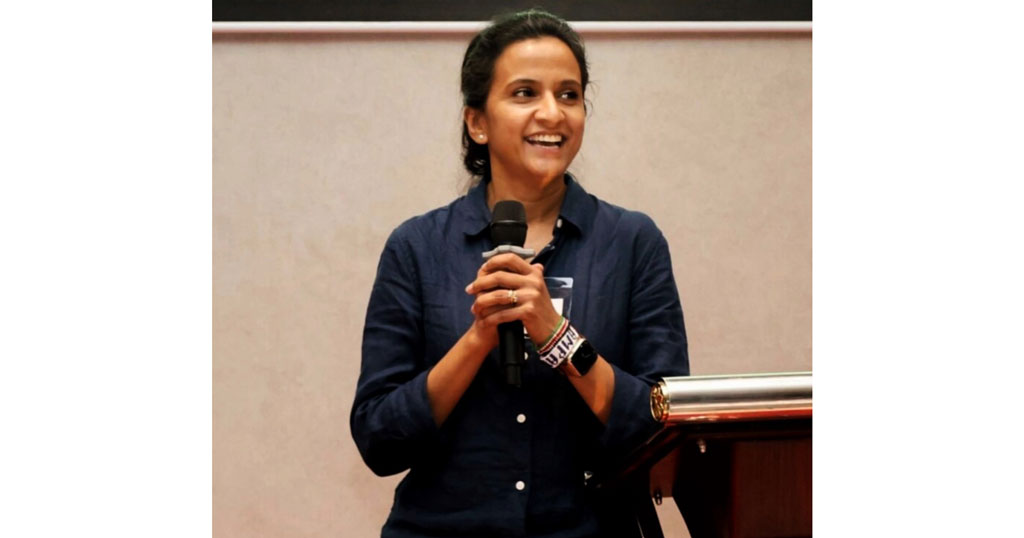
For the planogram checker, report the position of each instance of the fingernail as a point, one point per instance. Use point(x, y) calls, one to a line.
point(469, 288)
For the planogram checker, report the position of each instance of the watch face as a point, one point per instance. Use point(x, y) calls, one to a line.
point(587, 351)
point(584, 357)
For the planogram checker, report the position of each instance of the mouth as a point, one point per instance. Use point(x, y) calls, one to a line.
point(546, 140)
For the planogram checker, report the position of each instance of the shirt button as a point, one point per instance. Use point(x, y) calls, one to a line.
point(520, 485)
point(521, 418)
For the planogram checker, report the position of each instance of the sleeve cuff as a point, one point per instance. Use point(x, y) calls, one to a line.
point(630, 422)
point(416, 420)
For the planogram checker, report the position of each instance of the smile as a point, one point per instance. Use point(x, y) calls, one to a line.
point(546, 140)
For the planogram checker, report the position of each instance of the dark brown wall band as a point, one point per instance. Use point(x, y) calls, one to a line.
point(451, 10)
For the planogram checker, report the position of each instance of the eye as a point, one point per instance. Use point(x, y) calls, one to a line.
point(570, 95)
point(523, 92)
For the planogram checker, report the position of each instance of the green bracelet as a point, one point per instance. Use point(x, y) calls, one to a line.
point(558, 327)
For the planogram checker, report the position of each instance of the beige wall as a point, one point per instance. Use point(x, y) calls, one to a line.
point(322, 145)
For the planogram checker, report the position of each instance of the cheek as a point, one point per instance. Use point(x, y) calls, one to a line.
point(506, 121)
point(578, 128)
point(578, 118)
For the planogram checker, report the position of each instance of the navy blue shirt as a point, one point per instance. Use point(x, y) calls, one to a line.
point(511, 461)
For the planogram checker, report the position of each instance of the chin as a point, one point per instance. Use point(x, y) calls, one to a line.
point(544, 179)
point(548, 174)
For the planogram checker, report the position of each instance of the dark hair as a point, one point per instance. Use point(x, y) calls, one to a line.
point(483, 52)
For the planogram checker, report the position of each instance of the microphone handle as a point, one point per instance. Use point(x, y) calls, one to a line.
point(511, 351)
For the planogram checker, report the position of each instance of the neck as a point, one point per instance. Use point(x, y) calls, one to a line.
point(542, 203)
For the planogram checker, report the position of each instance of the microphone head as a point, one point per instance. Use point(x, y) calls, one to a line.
point(508, 223)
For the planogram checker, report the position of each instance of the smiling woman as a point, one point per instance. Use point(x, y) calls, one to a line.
point(487, 458)
point(533, 119)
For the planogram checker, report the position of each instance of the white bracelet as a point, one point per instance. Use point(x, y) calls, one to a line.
point(563, 349)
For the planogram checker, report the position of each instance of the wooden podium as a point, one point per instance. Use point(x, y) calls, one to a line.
point(734, 454)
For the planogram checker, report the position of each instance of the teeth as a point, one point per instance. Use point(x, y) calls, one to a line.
point(551, 139)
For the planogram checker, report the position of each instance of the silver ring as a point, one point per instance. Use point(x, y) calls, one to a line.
point(512, 296)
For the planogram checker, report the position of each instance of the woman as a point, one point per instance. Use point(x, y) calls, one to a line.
point(487, 458)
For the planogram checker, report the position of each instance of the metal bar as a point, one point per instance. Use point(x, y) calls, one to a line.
point(740, 397)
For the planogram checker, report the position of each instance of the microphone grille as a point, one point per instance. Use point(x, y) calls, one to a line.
point(509, 211)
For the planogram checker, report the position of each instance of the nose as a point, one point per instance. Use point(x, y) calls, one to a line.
point(548, 110)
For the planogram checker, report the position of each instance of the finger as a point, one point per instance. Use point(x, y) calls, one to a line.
point(501, 315)
point(485, 303)
point(480, 273)
point(507, 262)
point(500, 279)
point(502, 297)
point(485, 312)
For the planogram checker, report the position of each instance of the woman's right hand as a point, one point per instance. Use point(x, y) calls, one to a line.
point(481, 336)
point(449, 378)
point(483, 333)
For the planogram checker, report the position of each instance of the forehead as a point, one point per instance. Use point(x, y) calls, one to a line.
point(537, 58)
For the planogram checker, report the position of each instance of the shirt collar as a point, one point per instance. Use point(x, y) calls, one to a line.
point(577, 207)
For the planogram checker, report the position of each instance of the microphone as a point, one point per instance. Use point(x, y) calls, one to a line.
point(508, 227)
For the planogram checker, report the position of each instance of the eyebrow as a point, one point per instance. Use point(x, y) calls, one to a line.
point(568, 81)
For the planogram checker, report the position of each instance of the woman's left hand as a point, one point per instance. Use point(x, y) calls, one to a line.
point(507, 276)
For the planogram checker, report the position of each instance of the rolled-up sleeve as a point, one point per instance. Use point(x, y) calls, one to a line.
point(657, 342)
point(391, 420)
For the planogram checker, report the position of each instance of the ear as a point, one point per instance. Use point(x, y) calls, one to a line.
point(476, 123)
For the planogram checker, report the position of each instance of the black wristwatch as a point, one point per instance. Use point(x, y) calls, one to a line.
point(581, 361)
